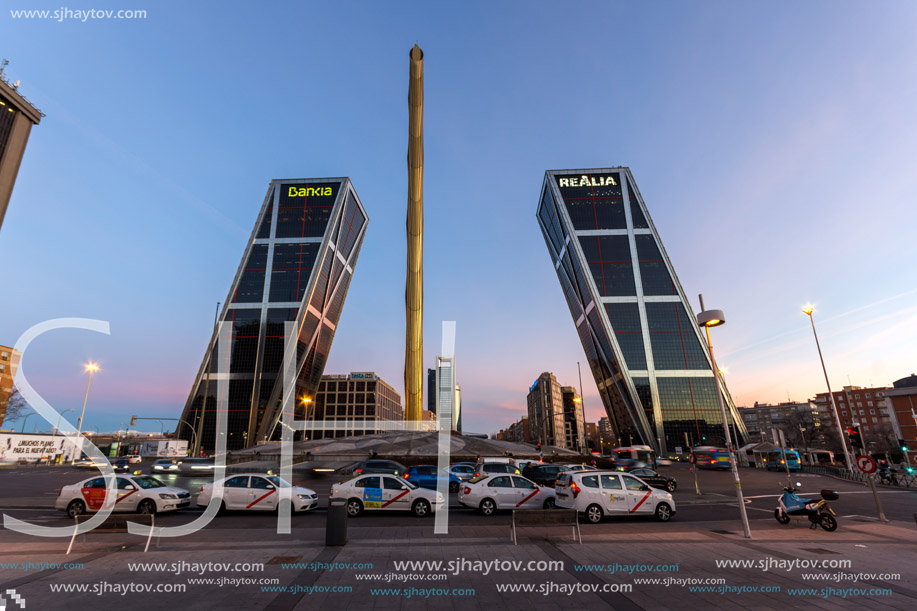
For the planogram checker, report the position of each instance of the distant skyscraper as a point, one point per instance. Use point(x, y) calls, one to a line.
point(546, 411)
point(431, 390)
point(448, 393)
point(641, 339)
point(297, 267)
point(17, 116)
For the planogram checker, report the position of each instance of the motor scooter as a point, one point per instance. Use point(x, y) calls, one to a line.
point(819, 513)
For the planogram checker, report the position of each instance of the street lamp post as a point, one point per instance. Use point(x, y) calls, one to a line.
point(715, 318)
point(91, 368)
point(26, 420)
point(809, 310)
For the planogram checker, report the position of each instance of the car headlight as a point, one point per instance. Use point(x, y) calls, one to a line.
point(306, 497)
point(166, 495)
point(670, 496)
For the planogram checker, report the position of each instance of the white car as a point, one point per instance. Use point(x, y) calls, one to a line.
point(488, 493)
point(258, 492)
point(600, 493)
point(140, 493)
point(386, 493)
point(575, 468)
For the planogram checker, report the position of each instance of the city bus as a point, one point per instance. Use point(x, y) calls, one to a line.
point(630, 455)
point(710, 457)
point(776, 461)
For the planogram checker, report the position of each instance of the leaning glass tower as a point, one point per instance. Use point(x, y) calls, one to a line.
point(297, 267)
point(641, 339)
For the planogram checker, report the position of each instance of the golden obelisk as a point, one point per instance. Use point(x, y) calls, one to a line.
point(413, 294)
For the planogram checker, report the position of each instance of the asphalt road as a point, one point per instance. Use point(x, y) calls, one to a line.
point(28, 493)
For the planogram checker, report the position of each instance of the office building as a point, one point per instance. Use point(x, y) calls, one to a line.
point(448, 394)
point(17, 116)
point(357, 396)
point(546, 411)
point(296, 268)
point(642, 342)
point(574, 423)
point(431, 390)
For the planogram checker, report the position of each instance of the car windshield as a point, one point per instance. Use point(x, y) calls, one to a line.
point(278, 482)
point(146, 482)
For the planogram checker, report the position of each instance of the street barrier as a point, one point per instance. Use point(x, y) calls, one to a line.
point(546, 517)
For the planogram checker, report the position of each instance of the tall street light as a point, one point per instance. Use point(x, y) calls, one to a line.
point(808, 310)
point(91, 368)
point(715, 318)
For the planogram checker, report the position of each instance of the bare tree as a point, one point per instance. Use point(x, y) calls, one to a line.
point(800, 430)
point(16, 407)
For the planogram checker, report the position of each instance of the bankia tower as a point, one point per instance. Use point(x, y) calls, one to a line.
point(642, 341)
point(297, 267)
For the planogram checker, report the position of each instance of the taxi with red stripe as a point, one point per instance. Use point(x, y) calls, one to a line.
point(382, 492)
point(488, 493)
point(138, 493)
point(258, 492)
point(597, 494)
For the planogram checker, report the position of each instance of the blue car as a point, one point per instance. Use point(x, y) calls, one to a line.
point(428, 476)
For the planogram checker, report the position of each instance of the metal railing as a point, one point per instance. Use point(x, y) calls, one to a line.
point(895, 480)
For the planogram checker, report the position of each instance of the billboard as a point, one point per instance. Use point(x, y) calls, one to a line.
point(17, 447)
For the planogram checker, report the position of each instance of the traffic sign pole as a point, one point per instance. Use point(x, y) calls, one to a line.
point(868, 466)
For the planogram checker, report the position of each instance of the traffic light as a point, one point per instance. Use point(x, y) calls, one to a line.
point(133, 420)
point(903, 445)
point(853, 433)
point(539, 446)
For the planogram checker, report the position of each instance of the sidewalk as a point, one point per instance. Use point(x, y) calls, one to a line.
point(872, 548)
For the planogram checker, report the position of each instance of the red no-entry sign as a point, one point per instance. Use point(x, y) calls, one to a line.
point(866, 464)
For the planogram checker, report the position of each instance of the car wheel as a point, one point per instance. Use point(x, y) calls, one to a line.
point(828, 523)
point(781, 517)
point(594, 514)
point(354, 507)
point(670, 485)
point(146, 506)
point(550, 503)
point(421, 508)
point(663, 512)
point(288, 503)
point(222, 510)
point(453, 486)
point(488, 507)
point(76, 508)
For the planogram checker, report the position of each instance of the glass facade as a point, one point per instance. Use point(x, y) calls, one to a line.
point(296, 268)
point(641, 340)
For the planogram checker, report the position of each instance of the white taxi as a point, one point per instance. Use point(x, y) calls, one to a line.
point(600, 493)
point(387, 493)
point(140, 493)
point(258, 492)
point(488, 493)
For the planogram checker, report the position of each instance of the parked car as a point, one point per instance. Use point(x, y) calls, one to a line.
point(380, 466)
point(462, 470)
point(381, 492)
point(258, 492)
point(491, 468)
point(428, 476)
point(488, 493)
point(654, 479)
point(546, 474)
point(140, 493)
point(599, 493)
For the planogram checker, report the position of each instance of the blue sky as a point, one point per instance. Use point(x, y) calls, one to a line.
point(773, 144)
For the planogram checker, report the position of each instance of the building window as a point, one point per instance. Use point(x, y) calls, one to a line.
point(862, 412)
point(856, 396)
point(869, 403)
point(867, 395)
point(873, 412)
point(5, 355)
